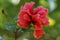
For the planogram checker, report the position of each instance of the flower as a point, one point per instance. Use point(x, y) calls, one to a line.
point(38, 17)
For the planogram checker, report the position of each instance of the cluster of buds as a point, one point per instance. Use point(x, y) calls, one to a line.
point(36, 16)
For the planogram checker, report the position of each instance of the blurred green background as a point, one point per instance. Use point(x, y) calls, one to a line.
point(8, 15)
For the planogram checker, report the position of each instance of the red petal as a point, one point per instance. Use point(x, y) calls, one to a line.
point(45, 21)
point(36, 19)
point(40, 9)
point(22, 12)
point(37, 26)
point(26, 17)
point(29, 5)
point(22, 23)
point(38, 33)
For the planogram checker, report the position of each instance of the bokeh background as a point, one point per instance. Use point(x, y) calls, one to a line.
point(8, 15)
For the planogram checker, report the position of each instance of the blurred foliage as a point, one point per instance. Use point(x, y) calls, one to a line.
point(8, 15)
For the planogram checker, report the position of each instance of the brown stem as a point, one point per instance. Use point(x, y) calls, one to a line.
point(16, 33)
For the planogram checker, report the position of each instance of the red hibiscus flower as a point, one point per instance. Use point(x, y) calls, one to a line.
point(37, 16)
